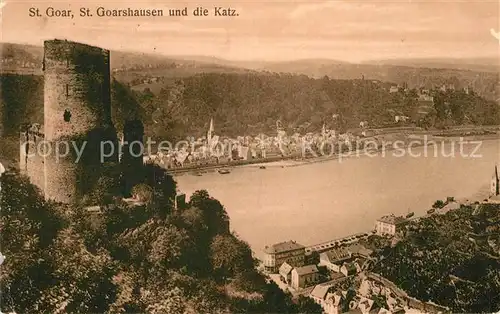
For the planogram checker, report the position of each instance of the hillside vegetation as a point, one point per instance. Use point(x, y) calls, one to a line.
point(251, 103)
point(451, 259)
point(481, 73)
point(144, 258)
point(21, 100)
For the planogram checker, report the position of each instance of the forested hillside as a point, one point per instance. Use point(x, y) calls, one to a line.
point(481, 74)
point(144, 258)
point(248, 104)
point(251, 103)
point(21, 100)
point(451, 259)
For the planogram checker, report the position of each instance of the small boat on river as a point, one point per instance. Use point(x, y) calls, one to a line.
point(224, 171)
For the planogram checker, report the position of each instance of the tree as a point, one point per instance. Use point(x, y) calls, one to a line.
point(276, 301)
point(83, 281)
point(29, 226)
point(215, 215)
point(230, 256)
point(306, 305)
point(105, 191)
point(438, 204)
point(169, 246)
point(164, 188)
point(143, 192)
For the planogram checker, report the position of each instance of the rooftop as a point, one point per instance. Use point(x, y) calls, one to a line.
point(350, 267)
point(320, 291)
point(448, 207)
point(305, 270)
point(365, 305)
point(334, 276)
point(283, 247)
point(95, 209)
point(285, 268)
point(335, 255)
point(392, 219)
point(359, 249)
point(334, 298)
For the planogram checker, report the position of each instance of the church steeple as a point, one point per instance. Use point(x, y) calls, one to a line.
point(210, 132)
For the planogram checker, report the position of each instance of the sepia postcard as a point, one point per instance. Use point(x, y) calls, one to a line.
point(185, 157)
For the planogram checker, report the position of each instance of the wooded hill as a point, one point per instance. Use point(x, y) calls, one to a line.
point(242, 104)
point(481, 74)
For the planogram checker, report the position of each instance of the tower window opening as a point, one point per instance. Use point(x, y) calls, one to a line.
point(67, 90)
point(67, 115)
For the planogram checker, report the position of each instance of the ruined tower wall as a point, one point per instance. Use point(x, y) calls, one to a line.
point(77, 81)
point(77, 109)
point(31, 159)
point(61, 176)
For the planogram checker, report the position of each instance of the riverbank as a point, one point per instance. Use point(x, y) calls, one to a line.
point(327, 200)
point(405, 140)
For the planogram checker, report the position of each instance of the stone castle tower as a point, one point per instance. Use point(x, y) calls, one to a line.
point(77, 119)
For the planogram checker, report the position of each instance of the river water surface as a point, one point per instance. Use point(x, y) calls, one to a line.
point(318, 202)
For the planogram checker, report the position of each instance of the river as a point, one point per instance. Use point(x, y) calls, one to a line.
point(318, 202)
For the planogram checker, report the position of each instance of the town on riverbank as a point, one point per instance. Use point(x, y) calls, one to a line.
point(213, 153)
point(341, 275)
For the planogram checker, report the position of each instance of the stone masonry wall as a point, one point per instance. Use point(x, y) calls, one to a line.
point(31, 161)
point(77, 105)
point(76, 89)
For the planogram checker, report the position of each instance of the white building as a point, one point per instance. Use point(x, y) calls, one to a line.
point(401, 118)
point(389, 225)
point(304, 276)
point(394, 89)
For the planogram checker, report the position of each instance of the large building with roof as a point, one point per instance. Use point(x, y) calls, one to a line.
point(389, 225)
point(304, 276)
point(290, 252)
point(334, 259)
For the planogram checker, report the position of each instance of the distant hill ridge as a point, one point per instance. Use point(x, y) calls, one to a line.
point(482, 64)
point(120, 58)
point(136, 69)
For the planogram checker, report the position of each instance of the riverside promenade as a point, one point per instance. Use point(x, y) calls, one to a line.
point(325, 246)
point(353, 238)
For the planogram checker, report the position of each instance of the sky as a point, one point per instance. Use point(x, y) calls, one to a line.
point(346, 30)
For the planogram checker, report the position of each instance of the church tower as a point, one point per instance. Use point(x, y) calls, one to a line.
point(495, 188)
point(210, 132)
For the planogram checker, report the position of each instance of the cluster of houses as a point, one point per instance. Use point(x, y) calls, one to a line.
point(298, 270)
point(337, 281)
point(371, 297)
point(337, 277)
point(214, 150)
point(326, 273)
point(219, 150)
point(324, 278)
point(19, 66)
point(20, 63)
